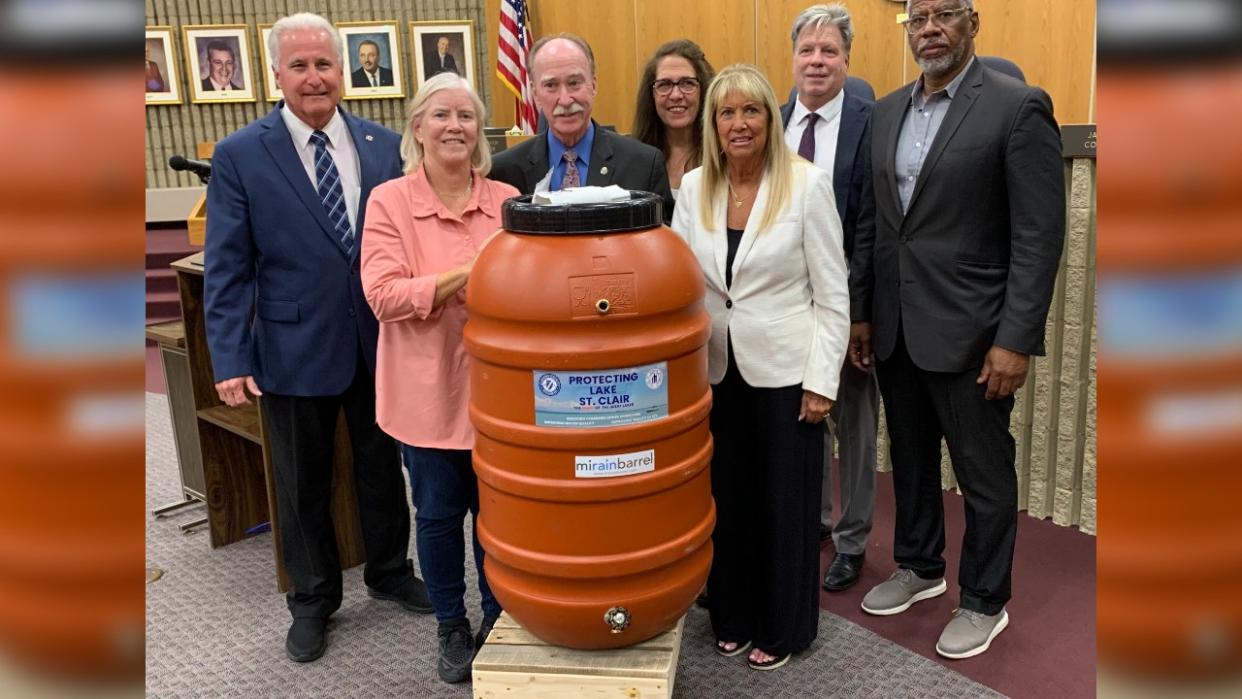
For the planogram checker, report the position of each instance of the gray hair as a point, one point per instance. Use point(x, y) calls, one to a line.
point(302, 20)
point(817, 17)
point(412, 150)
point(968, 4)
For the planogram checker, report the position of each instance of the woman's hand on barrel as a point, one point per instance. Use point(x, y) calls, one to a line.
point(469, 266)
point(814, 408)
point(454, 280)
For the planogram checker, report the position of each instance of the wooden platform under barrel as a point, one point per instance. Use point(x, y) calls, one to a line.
point(513, 663)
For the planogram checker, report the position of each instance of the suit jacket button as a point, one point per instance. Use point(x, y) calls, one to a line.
point(352, 313)
point(728, 303)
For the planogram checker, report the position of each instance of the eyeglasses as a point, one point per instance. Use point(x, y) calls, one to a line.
point(688, 86)
point(916, 23)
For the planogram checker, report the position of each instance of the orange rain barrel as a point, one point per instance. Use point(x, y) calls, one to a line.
point(589, 394)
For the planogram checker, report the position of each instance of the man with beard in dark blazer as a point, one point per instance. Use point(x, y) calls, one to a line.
point(951, 293)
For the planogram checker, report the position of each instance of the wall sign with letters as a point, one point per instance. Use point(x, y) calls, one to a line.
point(1078, 141)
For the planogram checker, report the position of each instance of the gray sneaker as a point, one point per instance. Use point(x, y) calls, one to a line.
point(970, 633)
point(902, 589)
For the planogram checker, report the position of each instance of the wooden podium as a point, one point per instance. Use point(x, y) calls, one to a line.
point(237, 469)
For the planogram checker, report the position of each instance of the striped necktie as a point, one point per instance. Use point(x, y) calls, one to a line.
point(328, 182)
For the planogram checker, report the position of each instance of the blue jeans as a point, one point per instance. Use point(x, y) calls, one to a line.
point(444, 488)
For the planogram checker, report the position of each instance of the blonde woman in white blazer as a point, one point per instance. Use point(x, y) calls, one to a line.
point(763, 224)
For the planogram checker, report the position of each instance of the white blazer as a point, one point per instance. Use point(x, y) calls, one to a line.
point(788, 308)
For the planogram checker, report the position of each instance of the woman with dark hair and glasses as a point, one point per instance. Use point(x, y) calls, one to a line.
point(667, 113)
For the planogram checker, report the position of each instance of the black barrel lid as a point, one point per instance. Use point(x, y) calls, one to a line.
point(643, 210)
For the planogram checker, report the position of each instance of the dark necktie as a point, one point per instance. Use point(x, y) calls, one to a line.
point(571, 170)
point(328, 182)
point(806, 148)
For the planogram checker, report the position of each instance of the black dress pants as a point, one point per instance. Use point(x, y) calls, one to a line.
point(301, 432)
point(921, 407)
point(766, 472)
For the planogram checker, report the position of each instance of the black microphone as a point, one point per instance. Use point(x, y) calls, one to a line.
point(198, 167)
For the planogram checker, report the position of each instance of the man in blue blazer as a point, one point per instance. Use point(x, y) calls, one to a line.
point(286, 319)
point(828, 123)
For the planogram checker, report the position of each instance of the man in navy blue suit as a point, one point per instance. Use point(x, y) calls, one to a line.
point(287, 320)
point(828, 122)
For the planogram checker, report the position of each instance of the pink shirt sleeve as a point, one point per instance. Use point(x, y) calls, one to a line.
point(393, 288)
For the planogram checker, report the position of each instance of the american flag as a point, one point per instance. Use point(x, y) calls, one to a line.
point(515, 41)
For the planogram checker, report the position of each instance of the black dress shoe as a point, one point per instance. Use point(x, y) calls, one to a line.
point(844, 571)
point(412, 595)
point(307, 639)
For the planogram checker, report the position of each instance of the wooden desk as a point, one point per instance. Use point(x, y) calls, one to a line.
point(237, 469)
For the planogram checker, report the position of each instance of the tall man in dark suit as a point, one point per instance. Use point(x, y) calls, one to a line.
point(286, 319)
point(828, 125)
point(952, 293)
point(575, 151)
point(439, 61)
point(370, 73)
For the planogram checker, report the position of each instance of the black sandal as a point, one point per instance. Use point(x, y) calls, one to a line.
point(769, 664)
point(741, 648)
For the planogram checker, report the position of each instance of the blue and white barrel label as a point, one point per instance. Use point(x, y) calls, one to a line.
point(607, 398)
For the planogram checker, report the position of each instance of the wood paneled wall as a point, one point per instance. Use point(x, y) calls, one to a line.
point(1052, 40)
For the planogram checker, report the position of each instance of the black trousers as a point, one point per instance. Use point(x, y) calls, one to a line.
point(301, 432)
point(921, 407)
point(766, 472)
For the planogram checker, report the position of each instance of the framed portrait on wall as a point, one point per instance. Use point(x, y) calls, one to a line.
point(372, 60)
point(443, 46)
point(163, 80)
point(218, 61)
point(270, 88)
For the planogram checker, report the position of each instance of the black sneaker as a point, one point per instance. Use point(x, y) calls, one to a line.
point(307, 639)
point(485, 628)
point(456, 650)
point(411, 595)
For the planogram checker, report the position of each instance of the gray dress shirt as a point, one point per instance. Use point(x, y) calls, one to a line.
point(923, 119)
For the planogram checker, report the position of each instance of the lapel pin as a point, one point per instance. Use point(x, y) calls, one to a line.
point(603, 170)
point(370, 137)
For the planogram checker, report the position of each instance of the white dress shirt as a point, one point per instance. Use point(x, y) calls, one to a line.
point(826, 130)
point(340, 147)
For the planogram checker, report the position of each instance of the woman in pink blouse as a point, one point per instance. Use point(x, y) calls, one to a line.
point(423, 233)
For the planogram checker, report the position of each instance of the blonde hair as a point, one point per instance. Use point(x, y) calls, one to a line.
point(412, 150)
point(745, 80)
